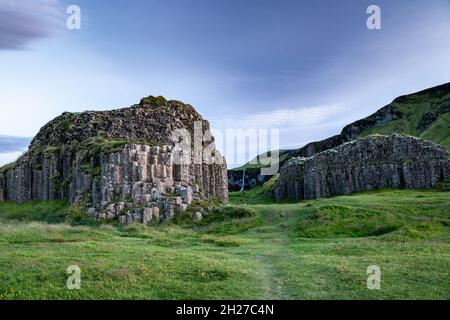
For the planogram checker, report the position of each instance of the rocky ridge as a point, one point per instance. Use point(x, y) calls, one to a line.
point(369, 163)
point(425, 114)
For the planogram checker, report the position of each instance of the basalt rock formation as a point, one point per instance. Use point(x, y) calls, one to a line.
point(425, 114)
point(118, 164)
point(365, 164)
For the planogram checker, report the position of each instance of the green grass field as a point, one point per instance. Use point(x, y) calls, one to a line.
point(254, 250)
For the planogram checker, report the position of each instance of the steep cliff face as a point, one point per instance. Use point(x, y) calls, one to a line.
point(119, 164)
point(370, 163)
point(425, 114)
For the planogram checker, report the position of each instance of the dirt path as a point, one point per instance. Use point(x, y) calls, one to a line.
point(272, 283)
point(271, 253)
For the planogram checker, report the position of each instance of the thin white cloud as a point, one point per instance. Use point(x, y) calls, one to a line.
point(283, 119)
point(10, 144)
point(297, 126)
point(6, 158)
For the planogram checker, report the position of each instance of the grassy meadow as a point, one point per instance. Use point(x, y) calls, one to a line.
point(251, 249)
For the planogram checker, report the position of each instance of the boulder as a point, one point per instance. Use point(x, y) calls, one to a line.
point(198, 216)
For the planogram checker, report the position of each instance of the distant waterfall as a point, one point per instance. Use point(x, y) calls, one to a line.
point(243, 181)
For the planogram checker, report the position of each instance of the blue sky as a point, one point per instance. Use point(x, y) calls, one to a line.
point(304, 67)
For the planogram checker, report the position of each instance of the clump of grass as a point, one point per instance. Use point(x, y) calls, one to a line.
point(371, 214)
point(45, 211)
point(50, 149)
point(219, 218)
point(93, 171)
point(257, 195)
point(65, 124)
point(444, 186)
point(343, 221)
point(154, 101)
point(232, 227)
point(226, 241)
point(51, 212)
point(227, 212)
point(420, 231)
point(205, 275)
point(76, 216)
point(96, 145)
point(10, 166)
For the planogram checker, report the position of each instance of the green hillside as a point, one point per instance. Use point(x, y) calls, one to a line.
point(424, 115)
point(255, 163)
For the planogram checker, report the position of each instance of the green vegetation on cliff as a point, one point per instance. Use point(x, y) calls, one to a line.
point(9, 166)
point(422, 115)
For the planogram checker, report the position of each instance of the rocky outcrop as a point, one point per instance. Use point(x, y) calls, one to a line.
point(253, 176)
point(371, 163)
point(428, 106)
point(2, 185)
point(119, 164)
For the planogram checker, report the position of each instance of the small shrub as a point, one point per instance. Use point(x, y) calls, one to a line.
point(93, 171)
point(76, 215)
point(154, 101)
point(227, 212)
point(65, 124)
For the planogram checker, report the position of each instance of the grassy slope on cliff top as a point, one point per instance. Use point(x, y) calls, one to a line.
point(314, 249)
point(414, 110)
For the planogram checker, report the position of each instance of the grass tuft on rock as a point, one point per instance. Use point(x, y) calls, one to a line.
point(154, 101)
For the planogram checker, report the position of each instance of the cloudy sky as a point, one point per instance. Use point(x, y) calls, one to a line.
point(305, 67)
